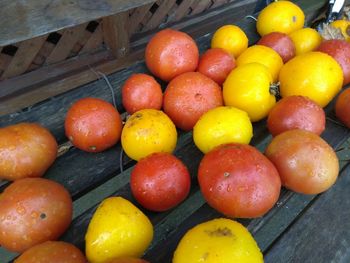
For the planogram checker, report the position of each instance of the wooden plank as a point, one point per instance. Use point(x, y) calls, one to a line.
point(160, 14)
point(218, 3)
point(66, 43)
point(5, 60)
point(94, 42)
point(27, 51)
point(200, 6)
point(137, 17)
point(183, 9)
point(115, 33)
point(21, 20)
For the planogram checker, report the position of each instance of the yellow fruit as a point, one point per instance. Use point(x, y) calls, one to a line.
point(344, 26)
point(262, 55)
point(222, 125)
point(247, 87)
point(280, 16)
point(218, 241)
point(314, 74)
point(117, 229)
point(148, 131)
point(305, 40)
point(230, 38)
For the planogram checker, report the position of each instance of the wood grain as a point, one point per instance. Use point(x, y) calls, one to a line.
point(160, 14)
point(137, 17)
point(94, 42)
point(21, 20)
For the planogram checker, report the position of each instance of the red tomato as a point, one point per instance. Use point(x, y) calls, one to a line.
point(128, 260)
point(26, 150)
point(160, 181)
point(305, 162)
point(239, 181)
point(340, 51)
point(216, 64)
point(188, 97)
point(93, 125)
point(52, 251)
point(296, 112)
point(281, 43)
point(141, 91)
point(170, 53)
point(342, 107)
point(33, 210)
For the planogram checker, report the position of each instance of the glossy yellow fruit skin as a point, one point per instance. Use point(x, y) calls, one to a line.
point(247, 87)
point(314, 74)
point(218, 241)
point(344, 26)
point(262, 55)
point(305, 40)
point(148, 131)
point(222, 125)
point(280, 16)
point(117, 229)
point(230, 38)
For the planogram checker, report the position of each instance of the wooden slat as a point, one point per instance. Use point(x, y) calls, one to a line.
point(5, 60)
point(183, 9)
point(66, 43)
point(24, 56)
point(200, 6)
point(145, 20)
point(94, 41)
point(218, 3)
point(137, 17)
point(21, 20)
point(160, 14)
point(115, 33)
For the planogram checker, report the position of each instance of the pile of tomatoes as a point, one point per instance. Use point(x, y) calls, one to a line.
point(287, 77)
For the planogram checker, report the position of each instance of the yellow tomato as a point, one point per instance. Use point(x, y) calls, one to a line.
point(305, 40)
point(280, 16)
point(314, 74)
point(262, 55)
point(148, 131)
point(344, 26)
point(247, 87)
point(230, 38)
point(218, 241)
point(117, 229)
point(222, 125)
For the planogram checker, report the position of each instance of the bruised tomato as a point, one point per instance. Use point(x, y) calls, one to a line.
point(216, 64)
point(160, 181)
point(141, 91)
point(340, 50)
point(306, 163)
point(342, 107)
point(93, 125)
point(26, 150)
point(239, 181)
point(52, 251)
point(279, 42)
point(33, 210)
point(188, 97)
point(296, 112)
point(170, 53)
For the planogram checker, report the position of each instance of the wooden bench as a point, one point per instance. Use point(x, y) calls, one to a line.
point(299, 228)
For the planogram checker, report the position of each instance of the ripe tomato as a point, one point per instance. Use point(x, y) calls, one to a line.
point(216, 64)
point(52, 251)
point(128, 260)
point(314, 74)
point(279, 42)
point(340, 51)
point(148, 131)
point(247, 87)
point(93, 125)
point(141, 91)
point(342, 107)
point(305, 162)
point(280, 16)
point(160, 182)
point(188, 96)
point(170, 53)
point(26, 150)
point(33, 210)
point(305, 40)
point(263, 55)
point(296, 112)
point(239, 181)
point(230, 38)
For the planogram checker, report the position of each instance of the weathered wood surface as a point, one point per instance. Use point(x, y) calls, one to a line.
point(21, 20)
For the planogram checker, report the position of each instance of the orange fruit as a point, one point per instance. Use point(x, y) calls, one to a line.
point(305, 40)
